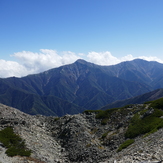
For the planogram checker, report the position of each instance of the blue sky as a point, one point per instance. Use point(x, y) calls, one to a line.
point(61, 31)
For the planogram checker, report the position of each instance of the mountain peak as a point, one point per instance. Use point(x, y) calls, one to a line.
point(82, 61)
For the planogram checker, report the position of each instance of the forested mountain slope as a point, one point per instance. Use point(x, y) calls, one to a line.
point(80, 86)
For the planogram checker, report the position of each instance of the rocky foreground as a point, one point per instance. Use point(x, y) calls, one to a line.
point(79, 138)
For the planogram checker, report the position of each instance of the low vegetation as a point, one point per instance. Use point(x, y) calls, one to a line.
point(14, 144)
point(156, 103)
point(125, 144)
point(104, 135)
point(146, 119)
point(104, 115)
point(56, 118)
point(148, 124)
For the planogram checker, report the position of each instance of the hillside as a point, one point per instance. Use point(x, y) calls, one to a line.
point(70, 89)
point(110, 136)
point(150, 96)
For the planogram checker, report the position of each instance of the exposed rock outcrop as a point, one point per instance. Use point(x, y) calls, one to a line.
point(80, 138)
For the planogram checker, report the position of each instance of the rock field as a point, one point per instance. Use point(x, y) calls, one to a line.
point(78, 139)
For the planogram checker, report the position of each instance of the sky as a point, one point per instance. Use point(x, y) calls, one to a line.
point(37, 35)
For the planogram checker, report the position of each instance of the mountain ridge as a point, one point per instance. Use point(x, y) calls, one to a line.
point(149, 96)
point(82, 85)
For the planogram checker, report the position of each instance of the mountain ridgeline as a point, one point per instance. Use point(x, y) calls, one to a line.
point(80, 86)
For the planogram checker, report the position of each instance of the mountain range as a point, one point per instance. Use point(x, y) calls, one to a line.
point(80, 86)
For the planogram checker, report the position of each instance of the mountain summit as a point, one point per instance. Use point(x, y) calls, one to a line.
point(80, 86)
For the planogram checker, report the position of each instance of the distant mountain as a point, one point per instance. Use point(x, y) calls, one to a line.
point(140, 71)
point(35, 104)
point(80, 86)
point(150, 96)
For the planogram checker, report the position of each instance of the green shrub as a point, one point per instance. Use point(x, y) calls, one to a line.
point(139, 126)
point(104, 135)
point(125, 144)
point(14, 144)
point(91, 111)
point(13, 151)
point(104, 121)
point(156, 103)
point(56, 118)
point(104, 115)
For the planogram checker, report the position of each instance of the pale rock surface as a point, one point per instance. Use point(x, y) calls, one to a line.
point(79, 139)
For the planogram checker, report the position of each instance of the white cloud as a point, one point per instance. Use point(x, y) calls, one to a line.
point(36, 61)
point(151, 58)
point(69, 57)
point(128, 57)
point(106, 58)
point(46, 59)
point(31, 63)
point(10, 68)
point(102, 58)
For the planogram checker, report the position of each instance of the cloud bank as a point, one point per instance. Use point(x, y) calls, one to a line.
point(32, 63)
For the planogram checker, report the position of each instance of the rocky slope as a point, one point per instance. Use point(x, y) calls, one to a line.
point(82, 137)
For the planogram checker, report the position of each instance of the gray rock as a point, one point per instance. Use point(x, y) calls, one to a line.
point(80, 138)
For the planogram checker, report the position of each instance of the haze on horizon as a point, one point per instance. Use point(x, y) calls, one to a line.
point(40, 35)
